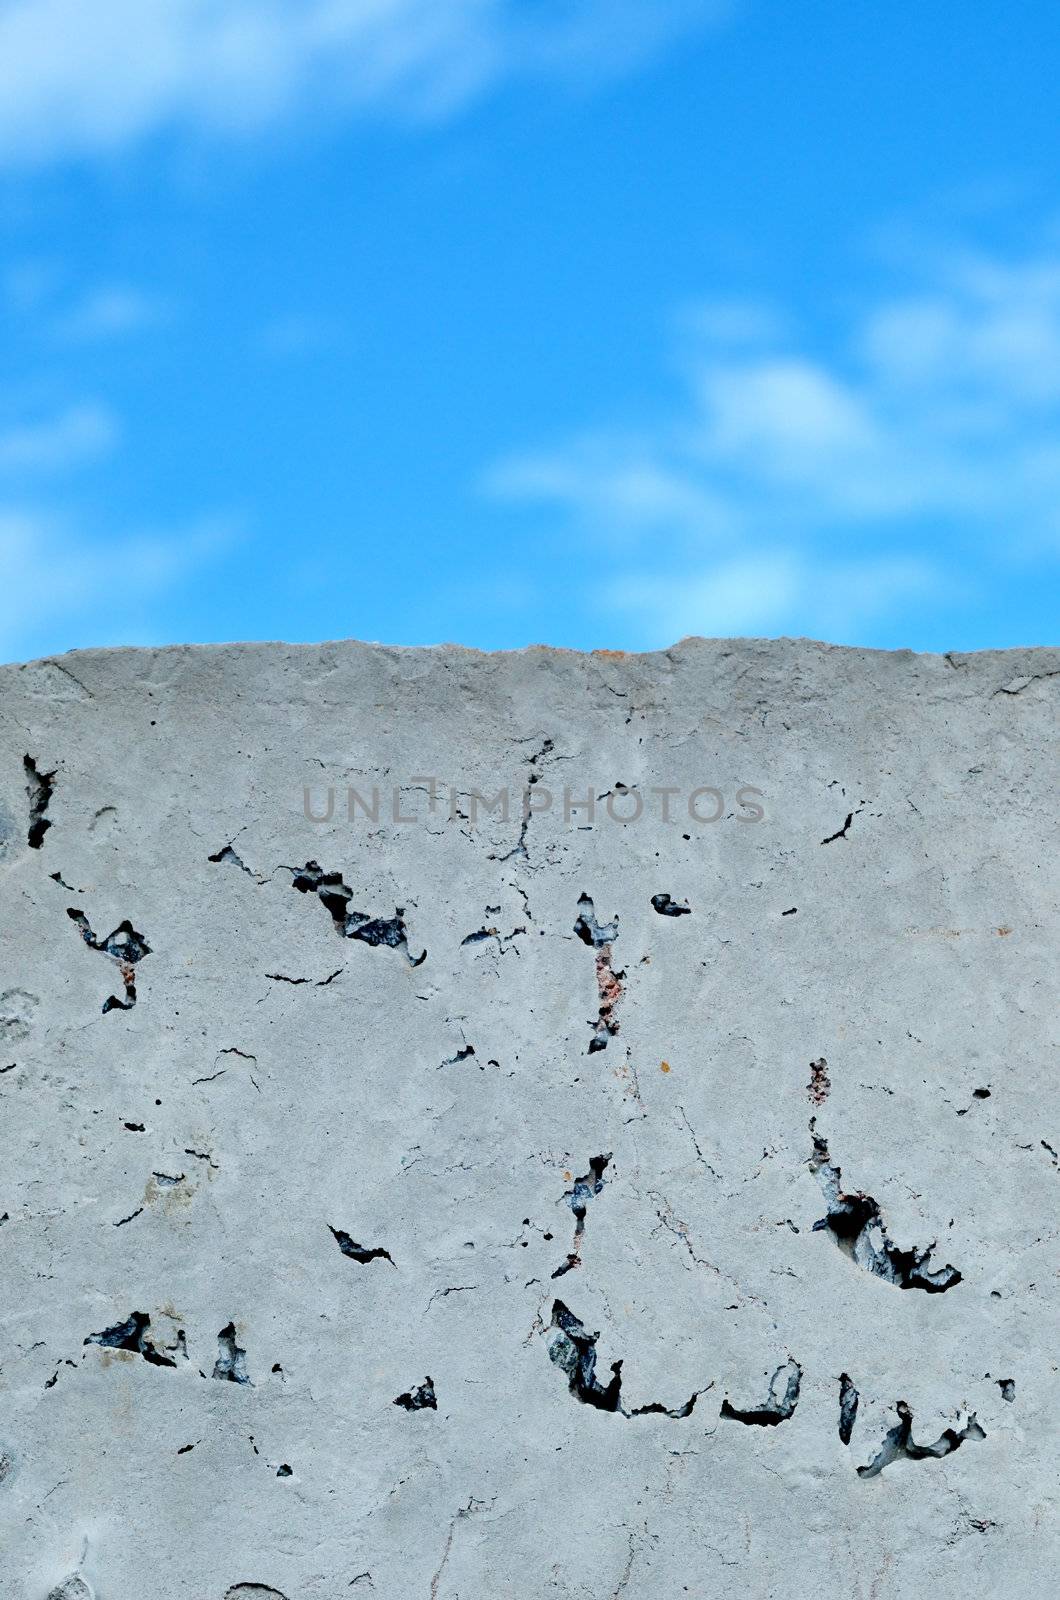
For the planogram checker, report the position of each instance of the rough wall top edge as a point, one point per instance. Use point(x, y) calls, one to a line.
point(1034, 655)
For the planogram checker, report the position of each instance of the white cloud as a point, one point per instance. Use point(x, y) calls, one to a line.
point(736, 321)
point(771, 592)
point(43, 297)
point(80, 433)
point(992, 330)
point(29, 285)
point(928, 441)
point(300, 334)
point(619, 483)
point(87, 79)
point(783, 412)
point(109, 312)
point(56, 581)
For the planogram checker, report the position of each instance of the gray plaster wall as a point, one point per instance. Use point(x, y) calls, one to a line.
point(464, 1206)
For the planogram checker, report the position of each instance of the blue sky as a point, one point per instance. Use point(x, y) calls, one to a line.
point(591, 322)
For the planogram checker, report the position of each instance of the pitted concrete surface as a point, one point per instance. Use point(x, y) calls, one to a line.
point(655, 1197)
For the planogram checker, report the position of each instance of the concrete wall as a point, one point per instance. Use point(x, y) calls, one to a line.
point(449, 1204)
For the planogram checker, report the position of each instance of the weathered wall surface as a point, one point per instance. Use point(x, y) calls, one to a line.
point(470, 1206)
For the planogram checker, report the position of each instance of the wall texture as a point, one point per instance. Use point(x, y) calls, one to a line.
point(408, 1199)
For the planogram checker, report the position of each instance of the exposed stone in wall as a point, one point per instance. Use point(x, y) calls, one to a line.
point(544, 1126)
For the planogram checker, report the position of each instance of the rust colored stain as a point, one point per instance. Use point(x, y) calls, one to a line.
point(1003, 933)
point(610, 987)
point(819, 1083)
point(664, 1066)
